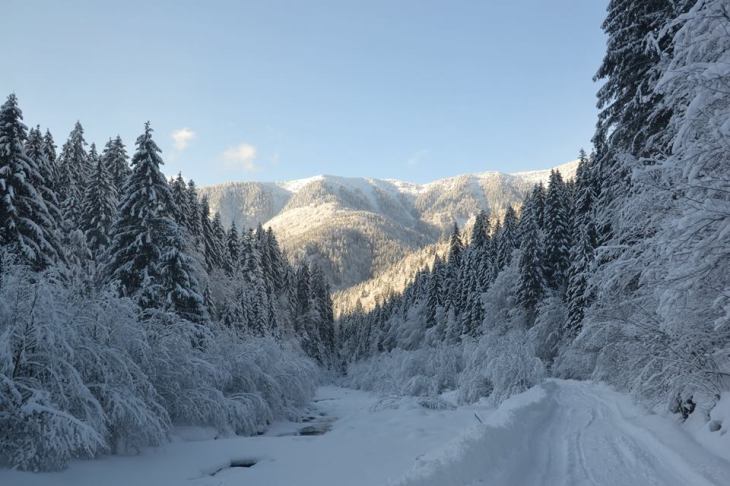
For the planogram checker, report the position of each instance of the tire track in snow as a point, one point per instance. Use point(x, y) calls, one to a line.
point(578, 433)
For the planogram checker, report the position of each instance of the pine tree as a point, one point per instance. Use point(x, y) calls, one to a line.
point(433, 296)
point(145, 211)
point(27, 228)
point(211, 243)
point(116, 161)
point(630, 69)
point(483, 251)
point(178, 288)
point(221, 242)
point(581, 258)
point(194, 208)
point(453, 269)
point(507, 240)
point(557, 233)
point(584, 192)
point(179, 191)
point(233, 244)
point(37, 150)
point(99, 208)
point(632, 121)
point(73, 168)
point(532, 282)
point(480, 232)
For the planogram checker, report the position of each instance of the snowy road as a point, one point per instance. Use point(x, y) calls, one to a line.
point(577, 433)
point(559, 433)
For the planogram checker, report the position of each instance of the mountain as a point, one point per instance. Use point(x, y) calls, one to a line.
point(356, 228)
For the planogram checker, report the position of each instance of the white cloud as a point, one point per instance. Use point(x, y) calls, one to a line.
point(182, 138)
point(241, 156)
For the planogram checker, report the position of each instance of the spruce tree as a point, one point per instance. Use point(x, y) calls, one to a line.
point(480, 232)
point(211, 244)
point(144, 213)
point(180, 200)
point(532, 282)
point(221, 241)
point(233, 244)
point(37, 150)
point(99, 208)
point(584, 192)
point(433, 296)
point(178, 289)
point(194, 209)
point(453, 269)
point(578, 275)
point(73, 173)
point(27, 227)
point(630, 70)
point(116, 161)
point(557, 233)
point(507, 240)
point(49, 150)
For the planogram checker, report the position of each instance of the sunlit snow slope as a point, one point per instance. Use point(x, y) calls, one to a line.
point(356, 228)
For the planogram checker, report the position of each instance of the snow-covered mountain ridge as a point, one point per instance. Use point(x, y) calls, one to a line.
point(356, 227)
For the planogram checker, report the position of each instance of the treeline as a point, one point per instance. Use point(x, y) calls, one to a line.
point(125, 308)
point(620, 275)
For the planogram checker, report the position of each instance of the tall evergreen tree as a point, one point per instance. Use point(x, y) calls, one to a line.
point(36, 149)
point(180, 199)
point(453, 268)
point(73, 173)
point(532, 281)
point(579, 272)
point(116, 161)
point(144, 214)
point(557, 233)
point(99, 208)
point(211, 244)
point(27, 227)
point(177, 290)
point(507, 240)
point(233, 244)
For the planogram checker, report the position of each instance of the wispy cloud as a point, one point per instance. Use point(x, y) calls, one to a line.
point(242, 156)
point(417, 157)
point(182, 137)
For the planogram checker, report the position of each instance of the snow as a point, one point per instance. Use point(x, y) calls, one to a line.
point(567, 170)
point(296, 185)
point(373, 440)
point(561, 432)
point(571, 433)
point(713, 433)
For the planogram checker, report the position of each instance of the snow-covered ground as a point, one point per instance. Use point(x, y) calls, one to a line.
point(562, 432)
point(572, 433)
point(371, 441)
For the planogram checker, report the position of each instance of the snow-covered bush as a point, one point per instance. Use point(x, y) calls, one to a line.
point(422, 372)
point(499, 366)
point(82, 372)
point(47, 413)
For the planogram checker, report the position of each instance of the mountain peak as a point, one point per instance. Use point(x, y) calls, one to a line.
point(356, 227)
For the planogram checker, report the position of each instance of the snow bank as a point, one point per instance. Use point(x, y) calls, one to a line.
point(712, 432)
point(464, 460)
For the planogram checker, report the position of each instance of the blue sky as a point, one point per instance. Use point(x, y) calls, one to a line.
point(275, 90)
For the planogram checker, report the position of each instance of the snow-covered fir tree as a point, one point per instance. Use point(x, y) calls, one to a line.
point(73, 174)
point(99, 207)
point(116, 161)
point(145, 210)
point(28, 228)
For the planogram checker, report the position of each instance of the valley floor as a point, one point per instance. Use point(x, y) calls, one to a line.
point(562, 432)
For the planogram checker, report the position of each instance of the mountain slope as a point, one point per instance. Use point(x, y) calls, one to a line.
point(355, 228)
